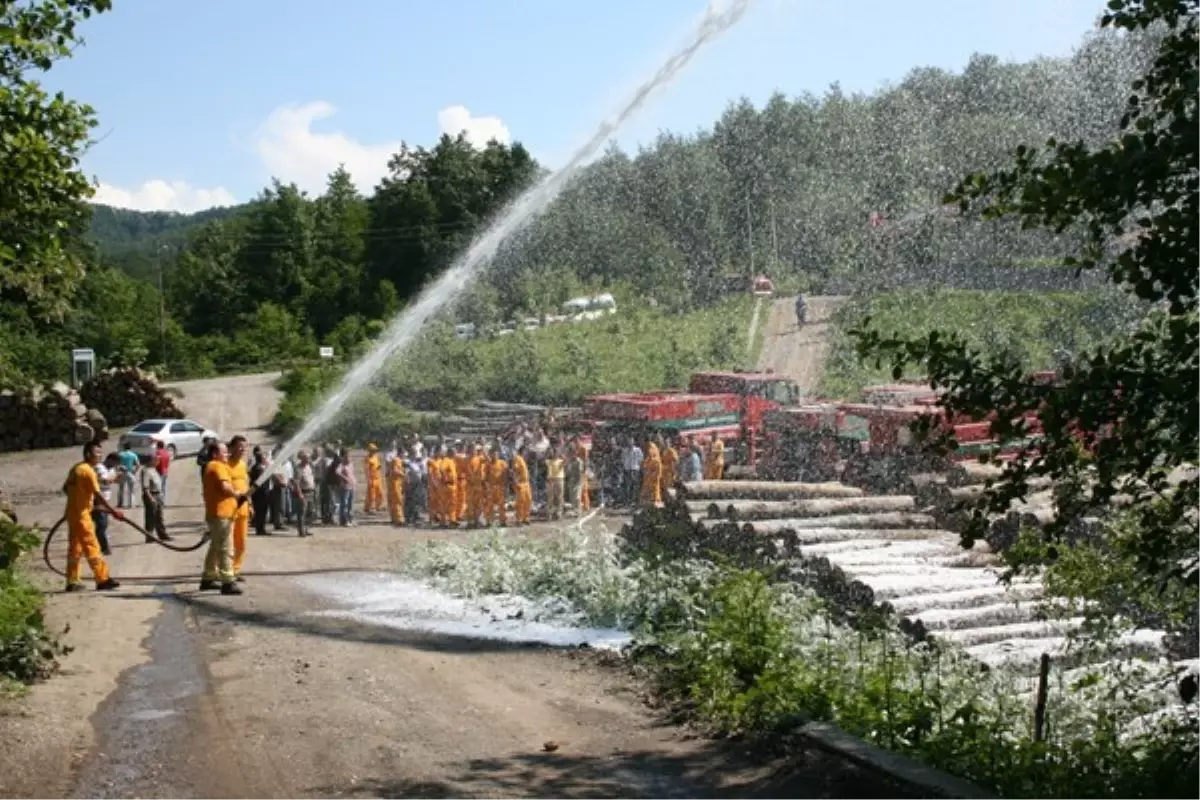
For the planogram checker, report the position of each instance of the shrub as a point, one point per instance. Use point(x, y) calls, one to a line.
point(27, 651)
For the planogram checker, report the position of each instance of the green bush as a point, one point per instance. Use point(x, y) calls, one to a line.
point(27, 651)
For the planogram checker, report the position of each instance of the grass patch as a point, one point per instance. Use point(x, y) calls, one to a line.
point(1035, 326)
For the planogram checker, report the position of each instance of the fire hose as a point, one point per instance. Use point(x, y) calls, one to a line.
point(132, 524)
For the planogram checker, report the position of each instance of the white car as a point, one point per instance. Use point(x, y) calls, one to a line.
point(183, 437)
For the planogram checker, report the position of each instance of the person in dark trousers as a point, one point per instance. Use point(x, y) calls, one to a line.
point(152, 500)
point(260, 497)
point(801, 311)
point(106, 473)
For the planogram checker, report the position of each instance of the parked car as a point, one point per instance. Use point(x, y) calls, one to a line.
point(507, 329)
point(531, 323)
point(465, 330)
point(183, 437)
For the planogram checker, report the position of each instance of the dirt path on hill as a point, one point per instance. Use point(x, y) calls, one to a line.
point(798, 352)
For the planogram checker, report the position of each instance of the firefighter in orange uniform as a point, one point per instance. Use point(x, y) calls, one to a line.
point(585, 498)
point(522, 491)
point(450, 481)
point(82, 488)
point(714, 467)
point(433, 469)
point(651, 475)
point(670, 463)
point(240, 481)
point(476, 485)
point(395, 483)
point(462, 466)
point(496, 484)
point(374, 469)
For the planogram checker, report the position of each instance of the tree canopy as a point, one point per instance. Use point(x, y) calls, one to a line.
point(1123, 419)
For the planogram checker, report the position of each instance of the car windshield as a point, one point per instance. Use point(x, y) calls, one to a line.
point(147, 427)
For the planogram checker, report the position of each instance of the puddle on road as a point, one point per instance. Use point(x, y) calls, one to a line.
point(140, 729)
point(404, 604)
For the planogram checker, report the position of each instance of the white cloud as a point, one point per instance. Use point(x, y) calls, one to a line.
point(292, 151)
point(159, 195)
point(480, 130)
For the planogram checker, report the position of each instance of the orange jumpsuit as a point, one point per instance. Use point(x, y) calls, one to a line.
point(497, 481)
point(395, 482)
point(476, 478)
point(82, 487)
point(524, 492)
point(241, 519)
point(585, 499)
point(374, 501)
point(714, 467)
point(433, 468)
point(450, 482)
point(651, 476)
point(670, 462)
point(462, 466)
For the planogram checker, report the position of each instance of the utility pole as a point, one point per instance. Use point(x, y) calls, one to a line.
point(162, 307)
point(774, 236)
point(750, 238)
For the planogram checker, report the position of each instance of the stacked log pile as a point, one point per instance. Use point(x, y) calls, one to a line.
point(47, 416)
point(127, 395)
point(894, 554)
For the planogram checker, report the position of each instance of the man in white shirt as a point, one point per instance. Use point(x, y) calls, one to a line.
point(631, 467)
point(106, 472)
point(305, 504)
point(152, 501)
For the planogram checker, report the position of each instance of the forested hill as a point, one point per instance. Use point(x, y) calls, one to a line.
point(132, 239)
point(833, 192)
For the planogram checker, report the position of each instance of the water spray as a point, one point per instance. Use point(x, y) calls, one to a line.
point(719, 16)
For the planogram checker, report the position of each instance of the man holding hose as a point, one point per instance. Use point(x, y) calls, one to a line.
point(221, 504)
point(82, 488)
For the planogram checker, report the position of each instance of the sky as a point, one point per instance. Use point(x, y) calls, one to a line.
point(202, 103)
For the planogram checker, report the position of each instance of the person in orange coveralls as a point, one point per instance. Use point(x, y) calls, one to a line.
point(714, 467)
point(450, 482)
point(462, 466)
point(585, 498)
point(522, 491)
point(434, 487)
point(497, 483)
point(240, 480)
point(82, 488)
point(221, 504)
point(374, 470)
point(670, 463)
point(651, 475)
point(476, 482)
point(395, 484)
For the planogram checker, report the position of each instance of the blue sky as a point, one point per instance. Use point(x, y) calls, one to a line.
point(200, 103)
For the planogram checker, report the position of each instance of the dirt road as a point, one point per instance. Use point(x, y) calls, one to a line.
point(798, 352)
point(173, 693)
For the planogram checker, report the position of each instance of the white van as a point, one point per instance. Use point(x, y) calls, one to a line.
point(604, 303)
point(465, 330)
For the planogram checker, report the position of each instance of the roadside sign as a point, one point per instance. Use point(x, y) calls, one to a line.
point(326, 352)
point(83, 365)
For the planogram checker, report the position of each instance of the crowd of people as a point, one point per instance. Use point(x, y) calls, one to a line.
point(440, 482)
point(451, 483)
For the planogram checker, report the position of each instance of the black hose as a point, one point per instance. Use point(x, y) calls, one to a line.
point(50, 536)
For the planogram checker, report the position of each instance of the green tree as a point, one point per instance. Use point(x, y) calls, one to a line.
point(42, 192)
point(334, 289)
point(1126, 413)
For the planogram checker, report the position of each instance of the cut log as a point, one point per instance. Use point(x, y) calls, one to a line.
point(765, 490)
point(819, 507)
point(887, 520)
point(971, 472)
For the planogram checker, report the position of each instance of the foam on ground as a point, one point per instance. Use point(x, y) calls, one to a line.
point(404, 604)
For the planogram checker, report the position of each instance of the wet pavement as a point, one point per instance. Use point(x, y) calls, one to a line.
point(145, 727)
